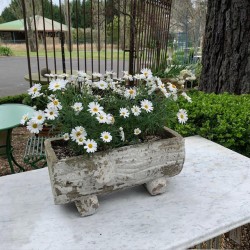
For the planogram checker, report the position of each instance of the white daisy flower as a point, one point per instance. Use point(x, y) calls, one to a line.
point(147, 105)
point(66, 136)
point(102, 85)
point(122, 134)
point(152, 89)
point(77, 107)
point(78, 132)
point(34, 127)
point(34, 91)
point(188, 98)
point(51, 113)
point(24, 119)
point(39, 116)
point(80, 140)
point(172, 87)
point(57, 84)
point(101, 117)
point(106, 136)
point(182, 116)
point(127, 76)
point(55, 104)
point(110, 119)
point(137, 131)
point(110, 72)
point(146, 73)
point(138, 77)
point(82, 74)
point(162, 87)
point(130, 93)
point(64, 75)
point(95, 108)
point(124, 112)
point(90, 146)
point(150, 81)
point(97, 75)
point(136, 110)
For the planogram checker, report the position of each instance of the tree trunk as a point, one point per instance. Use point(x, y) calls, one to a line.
point(226, 49)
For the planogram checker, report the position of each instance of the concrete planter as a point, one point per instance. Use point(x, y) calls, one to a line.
point(80, 180)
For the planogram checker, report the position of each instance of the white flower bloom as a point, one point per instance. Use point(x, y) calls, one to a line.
point(66, 136)
point(51, 113)
point(77, 107)
point(182, 116)
point(78, 132)
point(146, 72)
point(102, 85)
point(191, 78)
point(172, 87)
point(97, 75)
point(136, 110)
point(162, 87)
point(24, 119)
point(34, 91)
point(34, 127)
point(101, 117)
point(122, 134)
point(39, 116)
point(95, 108)
point(110, 119)
point(55, 104)
point(124, 112)
point(150, 81)
point(152, 89)
point(82, 74)
point(138, 77)
point(137, 131)
point(110, 73)
point(174, 96)
point(80, 140)
point(147, 105)
point(127, 76)
point(106, 136)
point(188, 98)
point(90, 146)
point(57, 84)
point(130, 93)
point(64, 75)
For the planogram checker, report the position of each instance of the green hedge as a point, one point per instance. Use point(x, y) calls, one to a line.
point(224, 119)
point(13, 99)
point(5, 51)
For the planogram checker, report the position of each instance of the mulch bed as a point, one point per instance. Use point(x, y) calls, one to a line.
point(20, 136)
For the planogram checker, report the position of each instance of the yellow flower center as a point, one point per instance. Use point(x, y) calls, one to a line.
point(34, 125)
point(57, 85)
point(51, 113)
point(131, 91)
point(39, 117)
point(106, 137)
point(78, 133)
point(35, 90)
point(90, 146)
point(146, 106)
point(55, 102)
point(182, 116)
point(81, 139)
point(173, 86)
point(95, 109)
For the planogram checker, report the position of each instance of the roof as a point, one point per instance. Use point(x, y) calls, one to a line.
point(18, 25)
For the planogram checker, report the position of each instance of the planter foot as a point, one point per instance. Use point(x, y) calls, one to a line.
point(157, 186)
point(87, 205)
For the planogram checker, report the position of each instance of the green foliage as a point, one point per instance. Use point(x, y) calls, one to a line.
point(5, 51)
point(170, 72)
point(13, 99)
point(223, 118)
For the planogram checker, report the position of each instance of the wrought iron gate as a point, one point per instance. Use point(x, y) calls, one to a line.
point(95, 35)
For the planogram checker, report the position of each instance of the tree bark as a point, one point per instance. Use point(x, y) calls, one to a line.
point(226, 49)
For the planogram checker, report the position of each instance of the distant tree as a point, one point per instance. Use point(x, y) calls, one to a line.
point(226, 53)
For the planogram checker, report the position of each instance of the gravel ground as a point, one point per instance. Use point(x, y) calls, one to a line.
point(19, 138)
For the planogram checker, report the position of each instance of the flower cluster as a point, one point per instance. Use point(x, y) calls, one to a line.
point(98, 112)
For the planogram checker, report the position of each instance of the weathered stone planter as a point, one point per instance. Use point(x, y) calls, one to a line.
point(80, 180)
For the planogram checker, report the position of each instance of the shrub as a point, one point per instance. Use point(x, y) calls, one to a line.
point(13, 99)
point(5, 51)
point(224, 119)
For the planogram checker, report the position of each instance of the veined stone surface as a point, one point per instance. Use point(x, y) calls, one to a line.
point(74, 178)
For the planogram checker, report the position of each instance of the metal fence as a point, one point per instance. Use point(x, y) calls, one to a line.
point(96, 35)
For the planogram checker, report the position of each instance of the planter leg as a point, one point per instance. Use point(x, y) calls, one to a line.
point(157, 186)
point(87, 205)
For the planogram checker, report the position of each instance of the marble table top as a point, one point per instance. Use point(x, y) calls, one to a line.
point(210, 196)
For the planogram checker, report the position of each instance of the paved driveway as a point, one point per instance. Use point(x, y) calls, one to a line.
point(13, 69)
